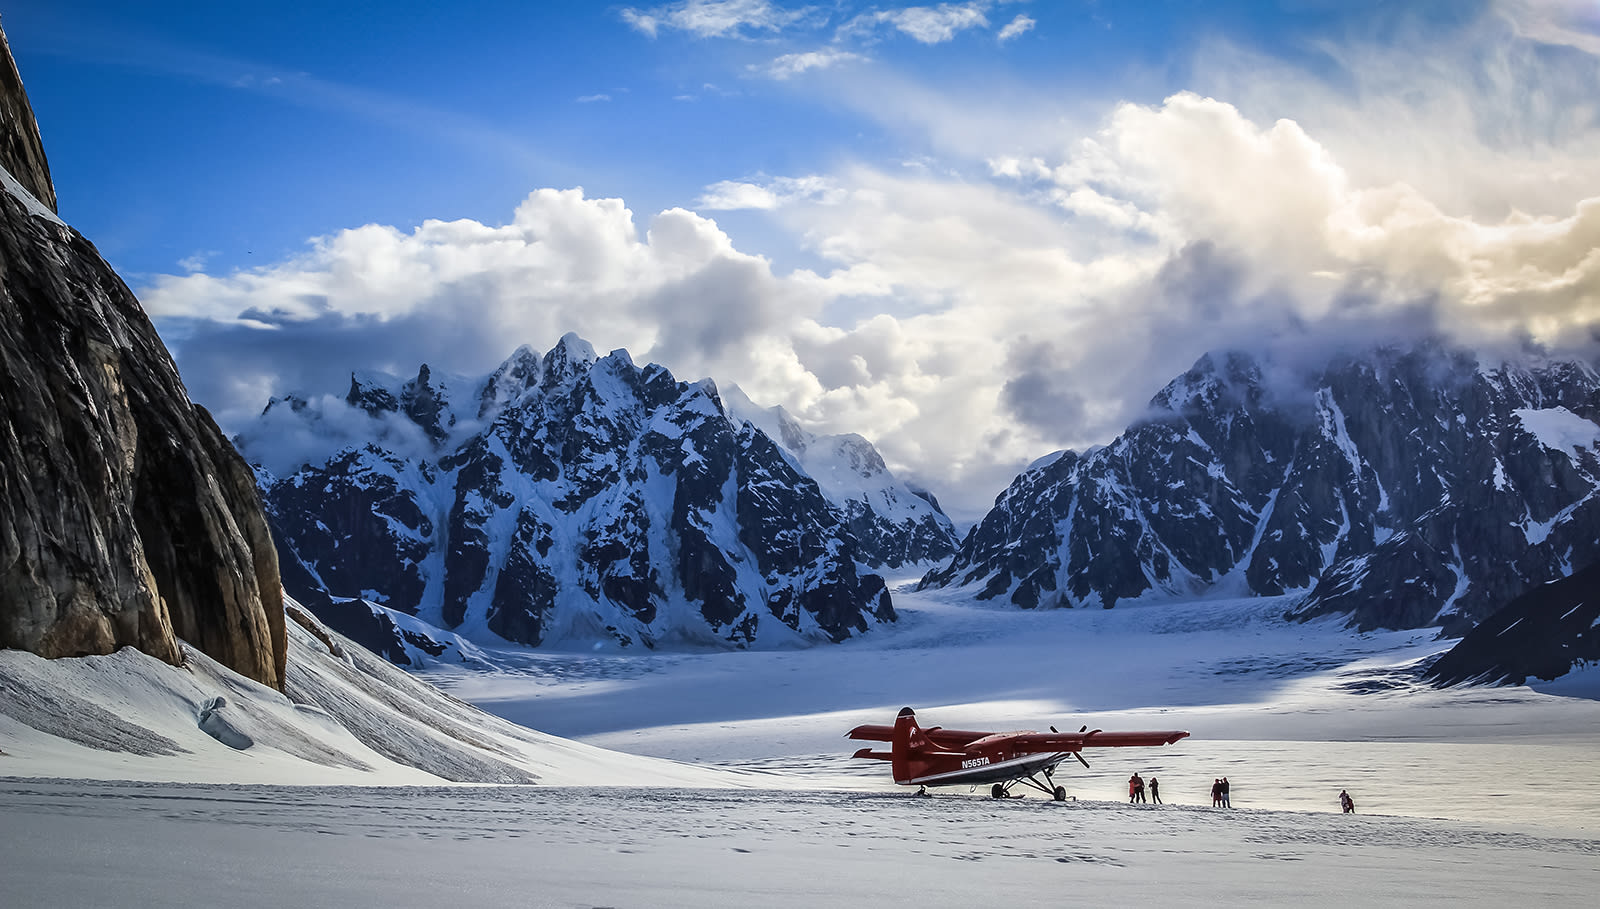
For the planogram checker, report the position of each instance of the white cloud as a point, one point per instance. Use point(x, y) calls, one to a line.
point(732, 195)
point(791, 65)
point(1016, 28)
point(591, 99)
point(925, 24)
point(196, 261)
point(714, 18)
point(1574, 23)
point(1030, 287)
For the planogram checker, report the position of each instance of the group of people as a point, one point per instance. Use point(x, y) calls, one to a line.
point(1136, 789)
point(1219, 793)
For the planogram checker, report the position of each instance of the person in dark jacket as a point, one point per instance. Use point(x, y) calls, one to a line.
point(1216, 792)
point(1225, 802)
point(1155, 791)
point(1346, 802)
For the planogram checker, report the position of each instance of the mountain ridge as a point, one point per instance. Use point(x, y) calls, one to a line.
point(568, 498)
point(1394, 488)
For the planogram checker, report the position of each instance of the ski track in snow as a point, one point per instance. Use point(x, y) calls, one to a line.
point(275, 846)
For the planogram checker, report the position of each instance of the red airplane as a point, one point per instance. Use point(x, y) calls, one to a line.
point(950, 757)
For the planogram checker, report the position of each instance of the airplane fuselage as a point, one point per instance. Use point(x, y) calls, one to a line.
point(953, 757)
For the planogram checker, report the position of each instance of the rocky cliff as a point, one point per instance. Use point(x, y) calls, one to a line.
point(126, 518)
point(1544, 633)
point(1404, 488)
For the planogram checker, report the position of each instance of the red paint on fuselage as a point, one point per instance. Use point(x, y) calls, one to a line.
point(945, 757)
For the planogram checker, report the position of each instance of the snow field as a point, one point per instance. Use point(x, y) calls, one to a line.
point(103, 844)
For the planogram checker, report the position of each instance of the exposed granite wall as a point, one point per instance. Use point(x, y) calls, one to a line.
point(126, 517)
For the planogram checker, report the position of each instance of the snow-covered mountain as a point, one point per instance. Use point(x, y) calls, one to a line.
point(895, 524)
point(1404, 488)
point(563, 498)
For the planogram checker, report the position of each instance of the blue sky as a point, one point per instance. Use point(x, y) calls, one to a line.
point(974, 232)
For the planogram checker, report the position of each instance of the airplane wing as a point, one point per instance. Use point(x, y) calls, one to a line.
point(944, 738)
point(1094, 738)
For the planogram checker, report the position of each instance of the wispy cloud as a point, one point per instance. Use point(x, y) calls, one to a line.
point(196, 261)
point(925, 24)
point(1016, 28)
point(591, 99)
point(714, 18)
point(1574, 23)
point(790, 65)
point(731, 195)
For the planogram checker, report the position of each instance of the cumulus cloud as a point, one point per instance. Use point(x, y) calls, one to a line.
point(461, 295)
point(713, 18)
point(924, 24)
point(790, 65)
point(1016, 28)
point(1032, 287)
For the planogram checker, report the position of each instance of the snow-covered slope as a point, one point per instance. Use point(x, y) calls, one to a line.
point(1545, 634)
point(895, 524)
point(563, 499)
point(345, 717)
point(1405, 488)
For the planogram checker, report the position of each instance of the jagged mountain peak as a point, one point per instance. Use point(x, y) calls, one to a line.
point(592, 500)
point(895, 524)
point(570, 358)
point(1403, 486)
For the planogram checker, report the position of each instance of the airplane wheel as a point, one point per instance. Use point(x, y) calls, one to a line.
point(1061, 793)
point(998, 791)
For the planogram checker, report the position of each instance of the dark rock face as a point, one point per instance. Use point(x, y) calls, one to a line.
point(126, 518)
point(1542, 634)
point(21, 152)
point(1406, 488)
point(894, 524)
point(564, 498)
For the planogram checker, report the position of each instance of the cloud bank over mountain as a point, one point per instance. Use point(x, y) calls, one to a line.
point(1032, 278)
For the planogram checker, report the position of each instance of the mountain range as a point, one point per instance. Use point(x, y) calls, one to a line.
point(1402, 487)
point(572, 498)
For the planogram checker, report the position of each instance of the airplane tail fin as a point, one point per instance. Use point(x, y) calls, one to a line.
point(908, 738)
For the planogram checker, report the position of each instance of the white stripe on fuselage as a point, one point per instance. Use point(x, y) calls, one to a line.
point(1020, 767)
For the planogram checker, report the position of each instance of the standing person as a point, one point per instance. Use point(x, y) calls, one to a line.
point(1346, 802)
point(1155, 790)
point(1225, 802)
point(1216, 793)
point(1133, 788)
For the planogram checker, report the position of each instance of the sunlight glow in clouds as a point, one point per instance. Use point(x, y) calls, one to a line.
point(1015, 292)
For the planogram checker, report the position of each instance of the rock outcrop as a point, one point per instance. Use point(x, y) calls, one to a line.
point(21, 151)
point(1542, 634)
point(1403, 488)
point(126, 518)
